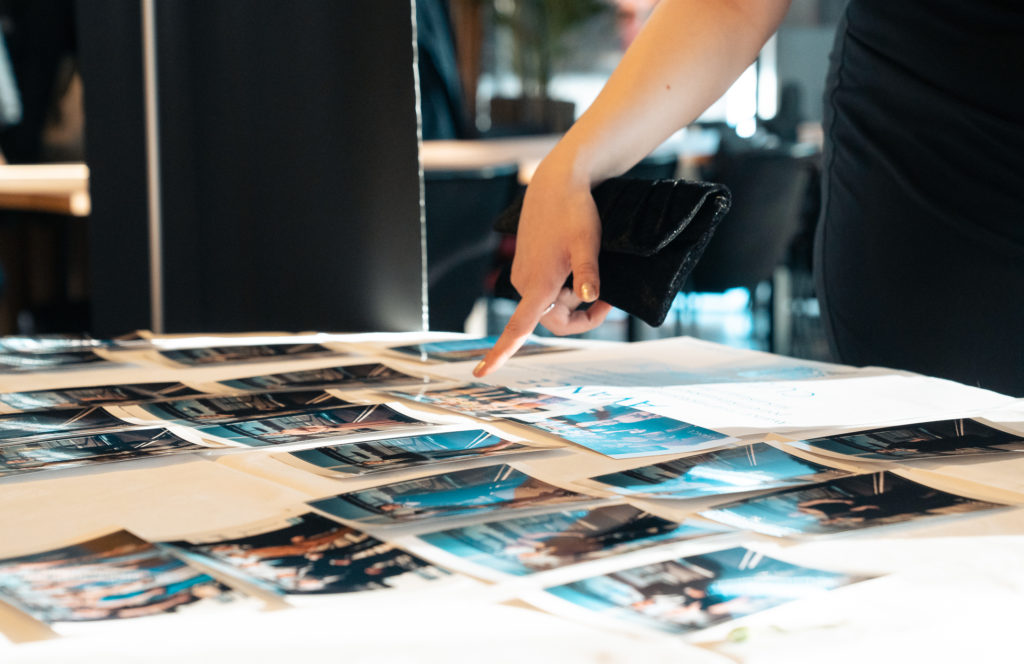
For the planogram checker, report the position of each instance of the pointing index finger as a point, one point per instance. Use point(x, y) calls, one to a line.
point(524, 319)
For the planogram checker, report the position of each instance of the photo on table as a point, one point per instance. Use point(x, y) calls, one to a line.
point(469, 350)
point(114, 576)
point(697, 592)
point(99, 395)
point(246, 353)
point(310, 554)
point(235, 408)
point(15, 361)
point(329, 424)
point(459, 493)
point(845, 504)
point(55, 423)
point(621, 432)
point(99, 448)
point(918, 441)
point(731, 470)
point(528, 544)
point(405, 452)
point(343, 377)
point(491, 401)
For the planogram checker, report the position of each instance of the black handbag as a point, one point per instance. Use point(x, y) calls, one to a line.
point(652, 234)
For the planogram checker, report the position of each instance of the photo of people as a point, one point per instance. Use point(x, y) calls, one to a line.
point(696, 592)
point(55, 453)
point(110, 577)
point(312, 554)
point(214, 409)
point(731, 470)
point(919, 441)
point(18, 361)
point(356, 375)
point(406, 452)
point(491, 401)
point(325, 424)
point(99, 395)
point(621, 432)
point(229, 354)
point(468, 350)
point(51, 423)
point(844, 504)
point(473, 491)
point(536, 543)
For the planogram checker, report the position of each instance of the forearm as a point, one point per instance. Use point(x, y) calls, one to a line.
point(685, 58)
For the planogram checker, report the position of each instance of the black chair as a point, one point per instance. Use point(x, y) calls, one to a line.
point(461, 207)
point(769, 188)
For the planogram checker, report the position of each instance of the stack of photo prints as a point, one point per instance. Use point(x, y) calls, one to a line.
point(430, 479)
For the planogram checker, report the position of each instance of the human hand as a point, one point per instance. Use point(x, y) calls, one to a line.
point(559, 233)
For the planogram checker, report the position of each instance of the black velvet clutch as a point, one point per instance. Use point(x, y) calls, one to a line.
point(653, 233)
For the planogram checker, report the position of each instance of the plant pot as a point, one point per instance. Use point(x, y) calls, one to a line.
point(531, 115)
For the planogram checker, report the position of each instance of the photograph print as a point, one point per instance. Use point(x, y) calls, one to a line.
point(237, 408)
point(919, 441)
point(491, 401)
point(56, 423)
point(528, 544)
point(328, 424)
point(97, 448)
point(231, 354)
point(697, 592)
point(99, 395)
point(469, 350)
point(310, 554)
point(406, 452)
point(622, 433)
point(110, 577)
point(345, 377)
point(844, 504)
point(731, 470)
point(459, 493)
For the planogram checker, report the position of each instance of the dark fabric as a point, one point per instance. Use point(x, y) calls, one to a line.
point(441, 111)
point(653, 234)
point(920, 249)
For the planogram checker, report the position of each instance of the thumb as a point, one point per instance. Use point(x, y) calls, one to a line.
point(586, 279)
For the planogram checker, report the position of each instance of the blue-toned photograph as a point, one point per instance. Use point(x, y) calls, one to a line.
point(110, 577)
point(621, 432)
point(696, 592)
point(18, 361)
point(242, 407)
point(474, 491)
point(921, 441)
point(735, 469)
point(53, 423)
point(490, 401)
point(55, 453)
point(313, 555)
point(327, 424)
point(230, 354)
point(468, 350)
point(530, 544)
point(407, 452)
point(355, 375)
point(99, 395)
point(845, 504)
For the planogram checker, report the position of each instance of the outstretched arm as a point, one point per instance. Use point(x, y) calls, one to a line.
point(686, 57)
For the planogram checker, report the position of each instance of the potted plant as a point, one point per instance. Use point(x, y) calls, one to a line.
point(538, 29)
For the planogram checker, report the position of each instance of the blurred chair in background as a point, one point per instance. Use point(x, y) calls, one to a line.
point(769, 189)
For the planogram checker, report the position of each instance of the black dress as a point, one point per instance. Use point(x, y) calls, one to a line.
point(920, 250)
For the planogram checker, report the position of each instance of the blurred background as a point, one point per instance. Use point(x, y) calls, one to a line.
point(335, 165)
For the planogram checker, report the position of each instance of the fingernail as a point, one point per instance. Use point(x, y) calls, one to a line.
point(479, 368)
point(588, 292)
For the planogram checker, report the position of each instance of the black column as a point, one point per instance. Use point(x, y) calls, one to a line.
point(289, 165)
